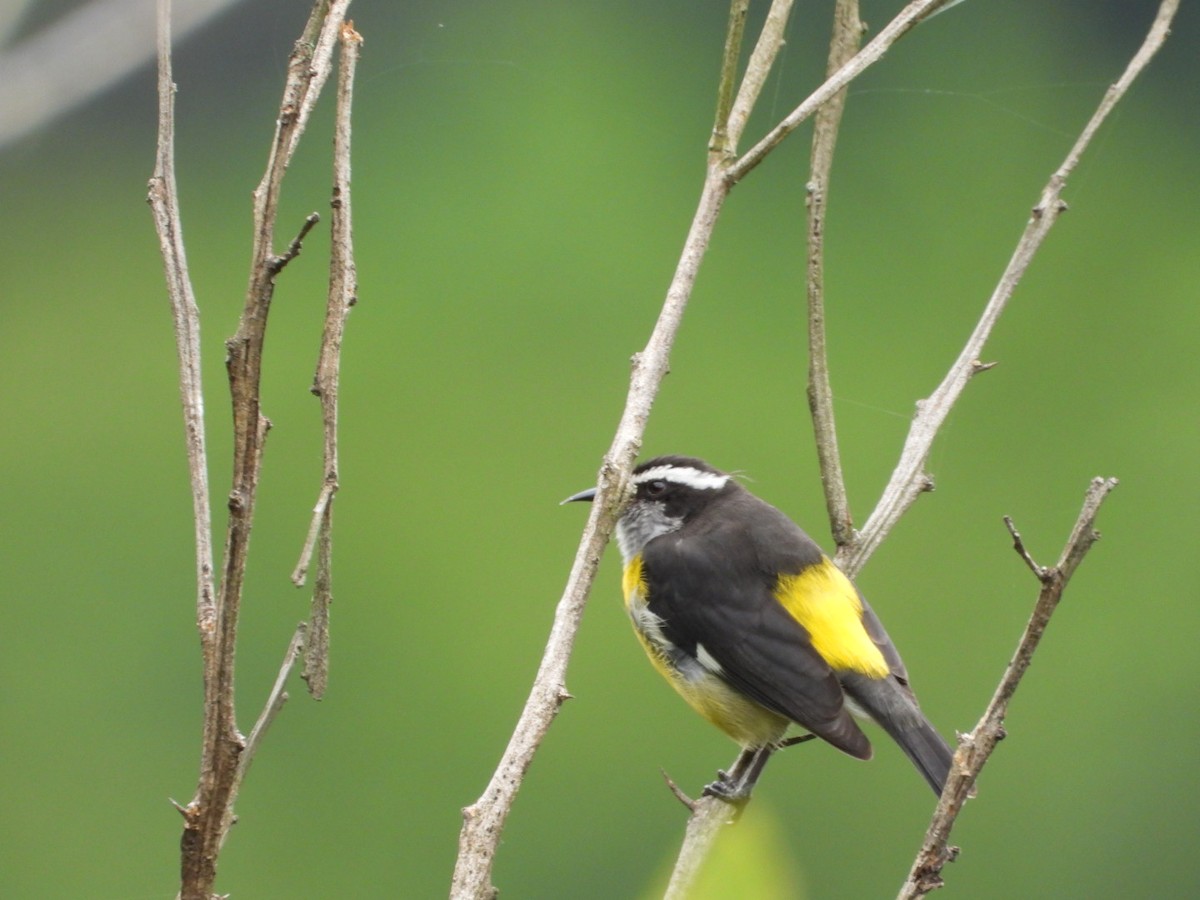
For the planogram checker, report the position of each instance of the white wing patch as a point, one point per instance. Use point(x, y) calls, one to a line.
point(648, 623)
point(706, 659)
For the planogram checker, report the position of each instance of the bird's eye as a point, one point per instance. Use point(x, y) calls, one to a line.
point(656, 488)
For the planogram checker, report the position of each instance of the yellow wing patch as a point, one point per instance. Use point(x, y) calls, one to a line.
point(822, 599)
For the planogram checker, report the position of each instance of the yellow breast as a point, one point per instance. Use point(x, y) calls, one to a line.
point(742, 719)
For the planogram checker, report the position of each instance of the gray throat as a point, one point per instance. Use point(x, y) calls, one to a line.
point(640, 524)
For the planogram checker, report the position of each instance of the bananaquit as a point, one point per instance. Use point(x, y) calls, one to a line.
point(755, 627)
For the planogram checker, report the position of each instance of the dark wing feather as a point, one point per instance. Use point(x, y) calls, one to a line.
point(729, 609)
point(875, 629)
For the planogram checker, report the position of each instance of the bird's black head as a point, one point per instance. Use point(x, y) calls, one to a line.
point(669, 491)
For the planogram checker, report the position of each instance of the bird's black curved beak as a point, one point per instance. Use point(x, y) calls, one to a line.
point(588, 495)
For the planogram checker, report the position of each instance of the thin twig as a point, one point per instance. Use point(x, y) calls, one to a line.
point(847, 33)
point(678, 791)
point(164, 205)
point(909, 479)
point(762, 59)
point(343, 294)
point(719, 144)
point(1019, 546)
point(300, 573)
point(275, 700)
point(293, 250)
point(316, 651)
point(976, 746)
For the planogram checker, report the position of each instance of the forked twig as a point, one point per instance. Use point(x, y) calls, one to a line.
point(762, 58)
point(977, 745)
point(324, 498)
point(909, 479)
point(907, 19)
point(225, 753)
point(275, 700)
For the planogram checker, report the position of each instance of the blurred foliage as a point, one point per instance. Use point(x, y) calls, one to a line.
point(752, 860)
point(524, 176)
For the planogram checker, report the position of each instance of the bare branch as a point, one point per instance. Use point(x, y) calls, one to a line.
point(300, 573)
point(847, 32)
point(275, 701)
point(762, 59)
point(1019, 546)
point(905, 20)
point(277, 263)
point(210, 811)
point(720, 144)
point(343, 294)
point(316, 652)
point(909, 479)
point(164, 205)
point(709, 816)
point(975, 747)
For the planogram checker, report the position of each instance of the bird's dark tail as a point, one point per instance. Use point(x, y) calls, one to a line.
point(892, 705)
point(928, 752)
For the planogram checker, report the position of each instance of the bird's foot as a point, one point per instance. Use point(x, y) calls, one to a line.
point(731, 789)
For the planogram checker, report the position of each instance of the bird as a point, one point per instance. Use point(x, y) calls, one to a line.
point(755, 627)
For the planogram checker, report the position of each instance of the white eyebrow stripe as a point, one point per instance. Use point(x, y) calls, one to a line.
point(685, 475)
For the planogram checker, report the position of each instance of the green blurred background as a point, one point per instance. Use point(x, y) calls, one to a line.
point(524, 176)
